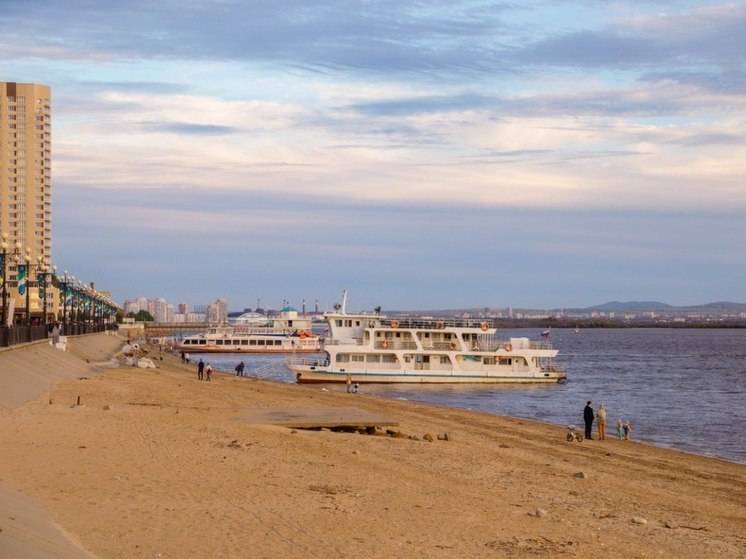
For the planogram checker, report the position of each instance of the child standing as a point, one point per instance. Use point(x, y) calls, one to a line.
point(627, 430)
point(619, 429)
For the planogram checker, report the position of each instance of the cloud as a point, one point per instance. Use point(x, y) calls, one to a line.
point(325, 35)
point(705, 35)
point(188, 128)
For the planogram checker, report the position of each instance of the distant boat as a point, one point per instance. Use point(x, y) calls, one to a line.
point(545, 333)
point(577, 330)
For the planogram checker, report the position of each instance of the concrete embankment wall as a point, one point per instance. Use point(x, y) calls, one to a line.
point(26, 373)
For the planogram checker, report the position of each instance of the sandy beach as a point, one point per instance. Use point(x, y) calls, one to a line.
point(155, 463)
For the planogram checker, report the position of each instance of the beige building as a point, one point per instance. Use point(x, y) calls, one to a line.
point(25, 183)
point(25, 168)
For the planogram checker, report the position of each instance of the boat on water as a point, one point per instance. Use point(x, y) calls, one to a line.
point(288, 332)
point(371, 348)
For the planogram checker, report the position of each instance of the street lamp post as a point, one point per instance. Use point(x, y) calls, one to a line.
point(3, 270)
point(27, 258)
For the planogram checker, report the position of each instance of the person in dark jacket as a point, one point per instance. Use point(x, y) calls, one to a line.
point(200, 370)
point(239, 369)
point(588, 417)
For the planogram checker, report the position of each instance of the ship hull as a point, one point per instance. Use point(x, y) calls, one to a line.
point(307, 375)
point(281, 350)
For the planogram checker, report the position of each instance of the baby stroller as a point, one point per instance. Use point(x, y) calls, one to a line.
point(573, 434)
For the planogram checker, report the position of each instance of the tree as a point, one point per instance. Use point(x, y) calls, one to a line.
point(144, 316)
point(120, 316)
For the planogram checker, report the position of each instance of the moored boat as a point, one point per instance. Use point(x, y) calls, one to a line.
point(371, 348)
point(286, 333)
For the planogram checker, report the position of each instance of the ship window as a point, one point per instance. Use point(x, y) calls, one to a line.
point(427, 334)
point(343, 358)
point(278, 342)
point(357, 323)
point(348, 323)
point(388, 358)
point(252, 342)
point(219, 342)
point(489, 361)
point(444, 360)
point(339, 323)
point(236, 342)
point(244, 342)
point(203, 342)
point(398, 334)
point(260, 342)
point(505, 361)
point(358, 358)
point(372, 358)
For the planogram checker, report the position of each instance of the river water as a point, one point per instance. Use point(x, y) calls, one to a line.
point(679, 388)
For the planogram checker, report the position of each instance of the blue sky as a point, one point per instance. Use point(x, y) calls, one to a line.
point(421, 154)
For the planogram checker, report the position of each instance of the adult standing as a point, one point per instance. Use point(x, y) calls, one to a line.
point(239, 369)
point(200, 370)
point(588, 417)
point(601, 422)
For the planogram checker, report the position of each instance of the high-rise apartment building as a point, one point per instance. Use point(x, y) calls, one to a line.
point(25, 168)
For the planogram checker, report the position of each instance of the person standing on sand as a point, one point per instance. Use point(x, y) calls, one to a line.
point(200, 370)
point(588, 418)
point(349, 383)
point(208, 372)
point(619, 429)
point(601, 422)
point(627, 430)
point(239, 369)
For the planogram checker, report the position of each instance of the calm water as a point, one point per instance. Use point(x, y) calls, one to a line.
point(679, 388)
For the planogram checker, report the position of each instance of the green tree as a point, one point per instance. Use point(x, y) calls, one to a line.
point(144, 316)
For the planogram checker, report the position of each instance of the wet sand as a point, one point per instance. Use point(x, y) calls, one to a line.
point(157, 464)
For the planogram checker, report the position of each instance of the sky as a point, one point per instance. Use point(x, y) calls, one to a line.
point(422, 154)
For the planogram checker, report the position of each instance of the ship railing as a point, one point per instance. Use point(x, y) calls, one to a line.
point(392, 344)
point(493, 344)
point(305, 362)
point(351, 341)
point(436, 324)
point(553, 369)
point(241, 330)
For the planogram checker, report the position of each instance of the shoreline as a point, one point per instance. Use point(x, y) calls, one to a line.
point(578, 424)
point(156, 462)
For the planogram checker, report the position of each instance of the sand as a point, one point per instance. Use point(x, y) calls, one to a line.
point(157, 464)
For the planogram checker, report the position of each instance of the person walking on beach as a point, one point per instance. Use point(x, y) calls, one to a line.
point(601, 422)
point(200, 370)
point(349, 383)
point(208, 372)
point(619, 429)
point(183, 357)
point(239, 369)
point(588, 418)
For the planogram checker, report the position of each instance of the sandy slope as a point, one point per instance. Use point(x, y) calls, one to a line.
point(26, 373)
point(170, 470)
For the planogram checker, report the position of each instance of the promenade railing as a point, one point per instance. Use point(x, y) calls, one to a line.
point(22, 334)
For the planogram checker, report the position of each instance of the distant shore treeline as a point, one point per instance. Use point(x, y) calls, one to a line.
point(611, 323)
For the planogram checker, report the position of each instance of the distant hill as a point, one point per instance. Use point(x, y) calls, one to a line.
point(630, 306)
point(657, 306)
point(611, 306)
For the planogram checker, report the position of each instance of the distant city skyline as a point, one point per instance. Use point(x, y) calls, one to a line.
point(436, 155)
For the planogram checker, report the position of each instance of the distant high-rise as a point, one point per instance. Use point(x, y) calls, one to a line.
point(25, 168)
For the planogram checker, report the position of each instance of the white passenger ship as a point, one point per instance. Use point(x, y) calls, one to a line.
point(287, 333)
point(372, 348)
